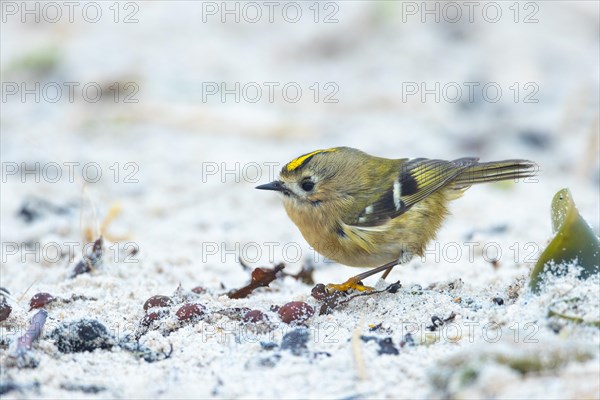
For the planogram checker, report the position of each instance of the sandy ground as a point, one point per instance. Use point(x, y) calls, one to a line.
point(180, 158)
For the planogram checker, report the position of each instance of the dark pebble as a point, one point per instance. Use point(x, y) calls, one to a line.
point(82, 335)
point(295, 341)
point(158, 301)
point(295, 311)
point(199, 290)
point(498, 300)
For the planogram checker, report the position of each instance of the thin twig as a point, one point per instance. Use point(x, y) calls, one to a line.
point(361, 369)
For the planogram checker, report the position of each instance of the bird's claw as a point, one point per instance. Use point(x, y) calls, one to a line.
point(351, 283)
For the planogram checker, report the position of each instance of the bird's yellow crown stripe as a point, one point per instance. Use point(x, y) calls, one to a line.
point(297, 162)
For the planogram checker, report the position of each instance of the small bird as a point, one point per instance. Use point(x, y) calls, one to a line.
point(367, 211)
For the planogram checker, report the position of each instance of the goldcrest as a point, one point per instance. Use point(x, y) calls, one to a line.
point(367, 211)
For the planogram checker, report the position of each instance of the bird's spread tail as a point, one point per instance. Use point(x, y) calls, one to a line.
point(475, 172)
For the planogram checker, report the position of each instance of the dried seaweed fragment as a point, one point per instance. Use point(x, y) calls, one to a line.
point(261, 277)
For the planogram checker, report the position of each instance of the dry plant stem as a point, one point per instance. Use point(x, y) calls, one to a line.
point(361, 369)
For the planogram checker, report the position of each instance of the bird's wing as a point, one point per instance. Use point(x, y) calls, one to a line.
point(416, 180)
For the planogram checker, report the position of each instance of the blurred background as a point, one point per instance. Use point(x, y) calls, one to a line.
point(183, 107)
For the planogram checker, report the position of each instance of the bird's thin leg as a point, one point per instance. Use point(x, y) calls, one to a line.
point(387, 272)
point(354, 282)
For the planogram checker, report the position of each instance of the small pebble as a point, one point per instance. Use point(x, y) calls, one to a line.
point(190, 311)
point(40, 300)
point(295, 311)
point(199, 290)
point(158, 301)
point(498, 300)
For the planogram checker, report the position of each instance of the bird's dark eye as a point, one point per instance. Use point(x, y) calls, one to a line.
point(307, 185)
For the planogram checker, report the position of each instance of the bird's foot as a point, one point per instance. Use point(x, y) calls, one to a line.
point(352, 283)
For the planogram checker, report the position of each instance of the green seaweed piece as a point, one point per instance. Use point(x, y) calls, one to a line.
point(573, 239)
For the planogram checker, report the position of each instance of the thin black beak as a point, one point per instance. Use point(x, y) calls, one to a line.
point(275, 185)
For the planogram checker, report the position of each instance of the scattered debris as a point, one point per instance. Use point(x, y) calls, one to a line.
point(255, 316)
point(438, 322)
point(261, 277)
point(305, 274)
point(34, 208)
point(75, 387)
point(407, 340)
point(144, 352)
point(89, 262)
point(235, 313)
point(386, 345)
point(11, 386)
point(43, 299)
